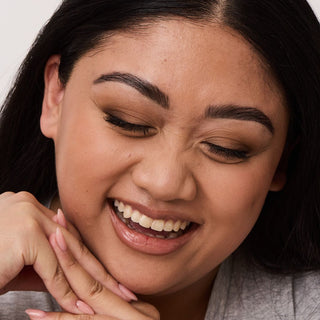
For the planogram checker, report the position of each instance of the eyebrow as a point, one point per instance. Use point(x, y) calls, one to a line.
point(144, 87)
point(239, 113)
point(152, 92)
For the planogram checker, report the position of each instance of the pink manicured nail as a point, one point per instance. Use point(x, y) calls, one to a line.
point(61, 219)
point(83, 307)
point(130, 295)
point(35, 314)
point(55, 219)
point(60, 240)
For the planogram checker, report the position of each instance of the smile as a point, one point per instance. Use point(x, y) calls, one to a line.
point(139, 231)
point(158, 228)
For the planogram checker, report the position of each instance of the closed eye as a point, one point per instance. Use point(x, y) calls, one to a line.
point(136, 129)
point(226, 153)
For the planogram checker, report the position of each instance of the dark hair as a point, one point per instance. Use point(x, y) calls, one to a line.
point(285, 33)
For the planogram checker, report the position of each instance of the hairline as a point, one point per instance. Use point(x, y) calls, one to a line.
point(144, 24)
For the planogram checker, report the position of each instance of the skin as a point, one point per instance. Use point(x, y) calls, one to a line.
point(171, 169)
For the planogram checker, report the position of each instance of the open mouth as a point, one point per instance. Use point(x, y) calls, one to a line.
point(156, 228)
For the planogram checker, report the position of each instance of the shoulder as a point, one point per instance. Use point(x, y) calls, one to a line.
point(306, 295)
point(13, 304)
point(243, 291)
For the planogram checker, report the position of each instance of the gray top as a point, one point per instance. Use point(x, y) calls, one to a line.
point(13, 304)
point(241, 292)
point(245, 292)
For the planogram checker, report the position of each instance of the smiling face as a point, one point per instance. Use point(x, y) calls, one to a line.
point(184, 128)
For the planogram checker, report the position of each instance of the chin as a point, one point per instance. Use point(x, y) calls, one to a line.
point(148, 281)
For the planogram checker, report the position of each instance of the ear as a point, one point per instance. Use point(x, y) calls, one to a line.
point(52, 100)
point(280, 177)
point(279, 180)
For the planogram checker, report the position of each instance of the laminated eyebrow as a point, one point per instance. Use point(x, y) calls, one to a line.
point(239, 113)
point(144, 87)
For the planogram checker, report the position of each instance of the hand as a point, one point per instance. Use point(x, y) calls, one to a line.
point(28, 261)
point(104, 304)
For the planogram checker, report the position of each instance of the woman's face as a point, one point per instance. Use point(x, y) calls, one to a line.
point(178, 126)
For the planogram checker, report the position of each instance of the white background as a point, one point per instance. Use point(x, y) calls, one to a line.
point(20, 21)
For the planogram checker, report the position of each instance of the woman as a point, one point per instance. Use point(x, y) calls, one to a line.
point(180, 140)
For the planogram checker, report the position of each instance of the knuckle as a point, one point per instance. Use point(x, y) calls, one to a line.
point(24, 207)
point(96, 288)
point(30, 226)
point(82, 249)
point(6, 194)
point(71, 263)
point(68, 293)
point(107, 278)
point(59, 278)
point(25, 196)
point(58, 275)
point(85, 317)
point(23, 204)
point(59, 316)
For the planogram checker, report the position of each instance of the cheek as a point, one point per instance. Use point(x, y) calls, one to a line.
point(89, 161)
point(234, 204)
point(237, 195)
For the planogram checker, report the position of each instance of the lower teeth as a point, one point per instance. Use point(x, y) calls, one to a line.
point(151, 233)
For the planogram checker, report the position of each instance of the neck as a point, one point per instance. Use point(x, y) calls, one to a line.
point(189, 303)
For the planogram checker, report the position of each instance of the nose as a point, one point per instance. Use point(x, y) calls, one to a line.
point(165, 176)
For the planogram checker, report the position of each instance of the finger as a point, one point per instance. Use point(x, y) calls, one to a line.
point(48, 268)
point(61, 219)
point(44, 218)
point(24, 243)
point(88, 289)
point(85, 257)
point(39, 314)
point(146, 309)
point(43, 215)
point(95, 268)
point(6, 195)
point(58, 218)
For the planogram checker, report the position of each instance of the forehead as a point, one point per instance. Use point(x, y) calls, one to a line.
point(199, 60)
point(194, 41)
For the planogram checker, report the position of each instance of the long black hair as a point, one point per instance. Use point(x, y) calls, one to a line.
point(285, 33)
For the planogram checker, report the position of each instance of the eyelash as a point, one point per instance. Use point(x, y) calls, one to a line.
point(227, 152)
point(145, 131)
point(127, 126)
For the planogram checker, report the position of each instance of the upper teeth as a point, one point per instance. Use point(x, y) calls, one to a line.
point(147, 222)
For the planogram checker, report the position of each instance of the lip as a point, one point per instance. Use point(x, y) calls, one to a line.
point(147, 244)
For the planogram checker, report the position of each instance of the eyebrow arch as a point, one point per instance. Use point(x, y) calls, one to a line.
point(239, 113)
point(144, 87)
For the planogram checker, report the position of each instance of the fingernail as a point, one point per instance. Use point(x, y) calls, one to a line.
point(83, 307)
point(61, 219)
point(130, 295)
point(60, 240)
point(35, 314)
point(55, 219)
